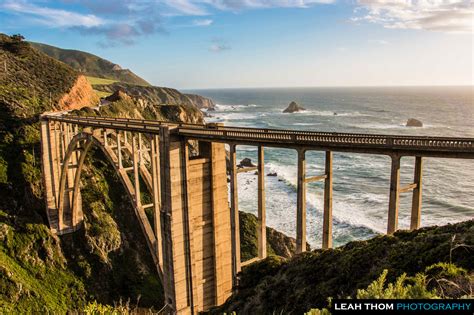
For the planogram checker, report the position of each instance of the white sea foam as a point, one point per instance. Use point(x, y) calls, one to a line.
point(281, 207)
point(233, 107)
point(393, 125)
point(310, 112)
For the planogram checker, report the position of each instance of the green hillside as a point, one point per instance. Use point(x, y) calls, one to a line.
point(90, 65)
point(294, 286)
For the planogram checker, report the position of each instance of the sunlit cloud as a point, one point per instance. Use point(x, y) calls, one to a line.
point(450, 16)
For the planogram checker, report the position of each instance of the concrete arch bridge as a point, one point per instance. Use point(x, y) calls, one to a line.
point(191, 228)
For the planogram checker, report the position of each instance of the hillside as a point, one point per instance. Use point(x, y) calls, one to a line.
point(90, 64)
point(294, 286)
point(107, 77)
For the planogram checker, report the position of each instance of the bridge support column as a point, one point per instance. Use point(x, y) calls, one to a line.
point(196, 226)
point(119, 150)
point(155, 178)
point(261, 219)
point(301, 204)
point(394, 200)
point(327, 216)
point(417, 194)
point(136, 171)
point(48, 158)
point(221, 224)
point(234, 214)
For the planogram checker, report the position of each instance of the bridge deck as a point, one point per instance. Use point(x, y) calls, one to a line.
point(310, 140)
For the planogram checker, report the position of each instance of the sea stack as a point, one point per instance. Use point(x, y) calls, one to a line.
point(412, 122)
point(246, 162)
point(293, 107)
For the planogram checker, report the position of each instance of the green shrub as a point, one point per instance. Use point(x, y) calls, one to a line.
point(403, 288)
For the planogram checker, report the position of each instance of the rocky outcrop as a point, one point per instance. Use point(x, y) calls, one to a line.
point(293, 108)
point(277, 242)
point(201, 101)
point(80, 95)
point(412, 122)
point(246, 162)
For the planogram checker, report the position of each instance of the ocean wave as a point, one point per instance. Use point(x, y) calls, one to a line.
point(281, 209)
point(352, 208)
point(223, 117)
point(393, 125)
point(233, 107)
point(324, 113)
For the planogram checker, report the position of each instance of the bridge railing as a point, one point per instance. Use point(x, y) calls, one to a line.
point(335, 139)
point(285, 137)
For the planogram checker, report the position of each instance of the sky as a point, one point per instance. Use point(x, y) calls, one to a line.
point(190, 44)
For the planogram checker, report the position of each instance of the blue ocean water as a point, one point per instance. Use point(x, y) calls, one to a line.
point(361, 181)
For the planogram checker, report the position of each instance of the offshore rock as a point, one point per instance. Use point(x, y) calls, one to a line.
point(412, 122)
point(246, 163)
point(293, 107)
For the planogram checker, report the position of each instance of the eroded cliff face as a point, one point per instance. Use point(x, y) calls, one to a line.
point(80, 95)
point(140, 105)
point(201, 101)
point(156, 96)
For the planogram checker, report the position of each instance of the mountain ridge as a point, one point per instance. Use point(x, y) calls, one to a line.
point(90, 64)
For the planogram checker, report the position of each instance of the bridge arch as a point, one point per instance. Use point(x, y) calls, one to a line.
point(69, 198)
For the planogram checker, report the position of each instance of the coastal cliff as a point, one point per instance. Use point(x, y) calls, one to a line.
point(155, 96)
point(80, 95)
point(201, 102)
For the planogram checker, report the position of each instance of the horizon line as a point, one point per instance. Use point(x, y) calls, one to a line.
point(330, 86)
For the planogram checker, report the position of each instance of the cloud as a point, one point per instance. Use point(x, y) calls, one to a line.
point(205, 22)
point(450, 16)
point(262, 4)
point(53, 17)
point(123, 22)
point(187, 7)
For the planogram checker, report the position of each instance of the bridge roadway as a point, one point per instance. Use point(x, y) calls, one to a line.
point(393, 145)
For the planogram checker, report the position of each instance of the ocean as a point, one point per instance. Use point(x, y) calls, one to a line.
point(361, 181)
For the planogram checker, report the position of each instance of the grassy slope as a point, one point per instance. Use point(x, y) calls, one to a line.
point(90, 64)
point(95, 80)
point(100, 81)
point(307, 280)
